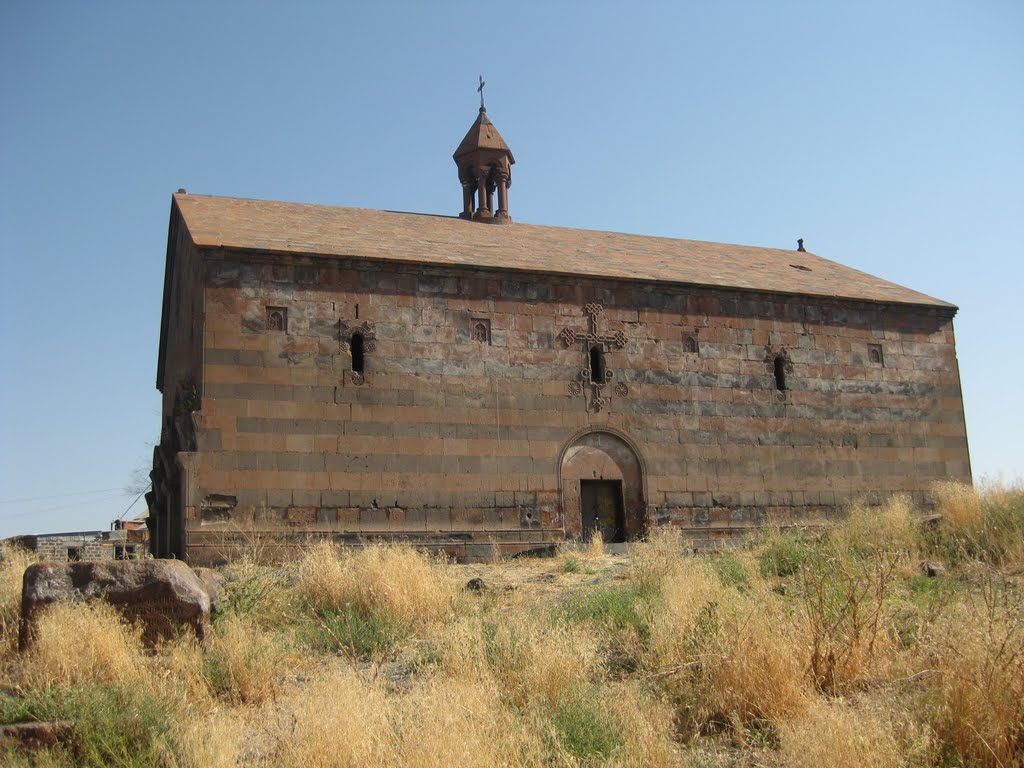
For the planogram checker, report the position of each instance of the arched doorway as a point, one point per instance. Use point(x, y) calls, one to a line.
point(602, 487)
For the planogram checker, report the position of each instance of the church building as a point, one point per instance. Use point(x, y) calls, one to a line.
point(482, 387)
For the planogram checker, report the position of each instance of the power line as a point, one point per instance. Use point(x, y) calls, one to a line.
point(74, 505)
point(57, 496)
point(136, 500)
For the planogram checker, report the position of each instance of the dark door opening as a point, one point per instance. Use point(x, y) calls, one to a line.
point(601, 507)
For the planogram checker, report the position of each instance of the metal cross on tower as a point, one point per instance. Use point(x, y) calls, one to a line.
point(605, 340)
point(480, 90)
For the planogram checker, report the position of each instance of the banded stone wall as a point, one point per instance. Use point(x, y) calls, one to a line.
point(475, 386)
point(179, 374)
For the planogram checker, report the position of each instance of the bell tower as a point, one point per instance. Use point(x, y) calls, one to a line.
point(485, 168)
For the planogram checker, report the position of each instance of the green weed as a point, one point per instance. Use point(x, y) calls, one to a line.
point(583, 727)
point(730, 571)
point(616, 607)
point(125, 726)
point(351, 631)
point(257, 590)
point(783, 554)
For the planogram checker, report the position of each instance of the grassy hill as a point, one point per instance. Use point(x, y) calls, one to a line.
point(828, 647)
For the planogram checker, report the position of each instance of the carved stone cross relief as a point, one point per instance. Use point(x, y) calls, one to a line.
point(607, 340)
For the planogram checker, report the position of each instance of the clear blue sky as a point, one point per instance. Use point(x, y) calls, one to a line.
point(887, 134)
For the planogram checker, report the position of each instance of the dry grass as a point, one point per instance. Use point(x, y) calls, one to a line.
point(530, 660)
point(12, 568)
point(81, 643)
point(755, 668)
point(843, 604)
point(178, 666)
point(208, 739)
point(835, 734)
point(724, 655)
point(960, 506)
point(244, 663)
point(788, 654)
point(646, 725)
point(260, 591)
point(984, 524)
point(346, 720)
point(398, 583)
point(340, 720)
point(1003, 532)
point(456, 721)
point(977, 652)
point(891, 528)
point(652, 560)
point(684, 602)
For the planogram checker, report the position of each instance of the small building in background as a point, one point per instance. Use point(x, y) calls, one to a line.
point(126, 540)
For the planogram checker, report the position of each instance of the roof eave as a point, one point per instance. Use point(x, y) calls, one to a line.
point(931, 303)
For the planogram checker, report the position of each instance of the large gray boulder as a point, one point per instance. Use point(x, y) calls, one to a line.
point(165, 596)
point(213, 582)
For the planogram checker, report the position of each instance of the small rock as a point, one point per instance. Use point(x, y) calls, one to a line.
point(931, 521)
point(35, 735)
point(541, 550)
point(932, 568)
point(476, 585)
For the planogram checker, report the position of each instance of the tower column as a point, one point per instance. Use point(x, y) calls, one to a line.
point(467, 200)
point(483, 210)
point(502, 195)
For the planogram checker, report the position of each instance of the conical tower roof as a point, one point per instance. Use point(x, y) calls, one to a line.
point(483, 135)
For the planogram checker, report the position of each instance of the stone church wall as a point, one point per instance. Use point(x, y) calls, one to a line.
point(475, 415)
point(179, 375)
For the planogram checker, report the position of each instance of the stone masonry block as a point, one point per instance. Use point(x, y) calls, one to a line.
point(348, 517)
point(279, 498)
point(327, 515)
point(306, 498)
point(300, 515)
point(334, 498)
point(438, 518)
point(373, 518)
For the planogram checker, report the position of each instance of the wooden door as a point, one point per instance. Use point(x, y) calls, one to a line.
point(601, 508)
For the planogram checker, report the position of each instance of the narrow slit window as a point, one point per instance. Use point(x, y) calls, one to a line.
point(780, 373)
point(357, 352)
point(596, 365)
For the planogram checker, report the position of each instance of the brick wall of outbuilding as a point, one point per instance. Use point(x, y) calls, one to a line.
point(89, 546)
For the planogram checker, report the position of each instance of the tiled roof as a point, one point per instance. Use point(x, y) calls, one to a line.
point(323, 230)
point(482, 135)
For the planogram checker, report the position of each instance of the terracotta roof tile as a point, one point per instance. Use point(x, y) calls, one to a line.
point(333, 231)
point(482, 135)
